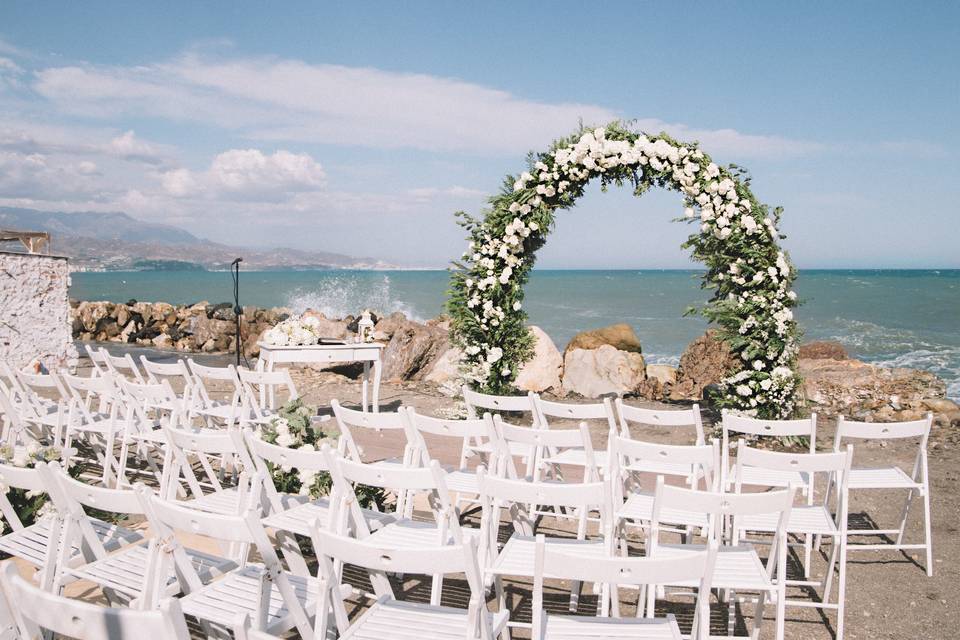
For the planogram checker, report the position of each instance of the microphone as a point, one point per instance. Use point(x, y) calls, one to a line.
point(236, 262)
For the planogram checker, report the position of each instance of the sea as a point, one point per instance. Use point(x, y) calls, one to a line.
point(903, 318)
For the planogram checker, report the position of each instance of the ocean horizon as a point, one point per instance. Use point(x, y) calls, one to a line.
point(893, 317)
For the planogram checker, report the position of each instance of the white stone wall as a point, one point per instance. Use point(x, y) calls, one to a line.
point(35, 311)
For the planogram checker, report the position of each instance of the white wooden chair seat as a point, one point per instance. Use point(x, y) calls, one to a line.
point(570, 627)
point(881, 478)
point(30, 543)
point(462, 481)
point(238, 592)
point(577, 458)
point(517, 556)
point(656, 467)
point(815, 519)
point(520, 449)
point(225, 502)
point(126, 570)
point(737, 567)
point(399, 620)
point(413, 534)
point(760, 477)
point(639, 508)
point(301, 518)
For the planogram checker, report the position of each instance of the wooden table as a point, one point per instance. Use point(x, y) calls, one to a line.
point(366, 352)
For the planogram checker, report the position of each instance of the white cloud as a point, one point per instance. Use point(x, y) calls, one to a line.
point(289, 100)
point(456, 191)
point(128, 147)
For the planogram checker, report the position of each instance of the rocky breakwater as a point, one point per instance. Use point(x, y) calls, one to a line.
point(198, 327)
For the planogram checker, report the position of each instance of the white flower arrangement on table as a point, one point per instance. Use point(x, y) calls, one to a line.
point(294, 331)
point(737, 240)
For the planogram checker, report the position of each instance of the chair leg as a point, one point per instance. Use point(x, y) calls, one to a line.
point(903, 516)
point(841, 587)
point(928, 540)
point(758, 616)
point(831, 564)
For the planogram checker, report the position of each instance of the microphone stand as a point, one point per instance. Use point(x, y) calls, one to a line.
point(237, 309)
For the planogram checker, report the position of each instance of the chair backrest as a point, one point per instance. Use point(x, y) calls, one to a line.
point(497, 493)
point(202, 444)
point(569, 411)
point(882, 430)
point(555, 562)
point(35, 609)
point(262, 454)
point(418, 425)
point(40, 382)
point(84, 391)
point(737, 424)
point(97, 359)
point(334, 550)
point(203, 374)
point(541, 443)
point(719, 506)
point(351, 420)
point(14, 477)
point(142, 398)
point(496, 404)
point(836, 466)
point(121, 366)
point(661, 418)
point(693, 461)
point(259, 389)
point(157, 371)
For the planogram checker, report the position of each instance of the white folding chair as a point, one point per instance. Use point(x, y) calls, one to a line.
point(738, 566)
point(461, 480)
point(43, 404)
point(260, 389)
point(516, 557)
point(122, 366)
point(35, 610)
point(696, 465)
point(288, 513)
point(555, 562)
point(128, 571)
point(351, 422)
point(55, 542)
point(599, 411)
point(207, 493)
point(260, 594)
point(658, 419)
point(388, 617)
point(203, 405)
point(170, 371)
point(806, 520)
point(744, 425)
point(93, 416)
point(97, 359)
point(145, 406)
point(892, 477)
point(479, 403)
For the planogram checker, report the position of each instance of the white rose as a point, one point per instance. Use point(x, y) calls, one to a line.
point(494, 355)
point(688, 212)
point(516, 306)
point(758, 365)
point(744, 390)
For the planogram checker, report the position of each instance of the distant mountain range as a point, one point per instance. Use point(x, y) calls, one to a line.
point(117, 242)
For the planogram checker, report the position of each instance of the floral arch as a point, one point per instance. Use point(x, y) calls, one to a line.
point(737, 241)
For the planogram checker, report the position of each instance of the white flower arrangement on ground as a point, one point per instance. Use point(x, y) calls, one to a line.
point(294, 331)
point(737, 240)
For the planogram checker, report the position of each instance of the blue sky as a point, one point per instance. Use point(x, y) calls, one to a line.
point(361, 128)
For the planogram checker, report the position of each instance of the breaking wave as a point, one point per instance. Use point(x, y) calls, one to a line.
point(342, 295)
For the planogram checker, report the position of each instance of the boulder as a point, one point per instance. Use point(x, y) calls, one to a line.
point(335, 329)
point(863, 391)
point(543, 371)
point(605, 370)
point(446, 369)
point(664, 373)
point(705, 361)
point(412, 351)
point(823, 350)
point(619, 336)
point(123, 315)
point(384, 328)
point(206, 330)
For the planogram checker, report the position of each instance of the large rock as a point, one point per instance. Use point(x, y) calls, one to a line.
point(605, 370)
point(543, 371)
point(384, 328)
point(207, 331)
point(412, 351)
point(336, 329)
point(823, 350)
point(446, 369)
point(867, 392)
point(619, 336)
point(704, 362)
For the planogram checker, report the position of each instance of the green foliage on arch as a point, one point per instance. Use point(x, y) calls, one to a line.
point(749, 276)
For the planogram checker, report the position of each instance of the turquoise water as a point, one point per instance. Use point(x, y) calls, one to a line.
point(894, 317)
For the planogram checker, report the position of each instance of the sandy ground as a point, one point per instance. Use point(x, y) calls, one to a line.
point(889, 595)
